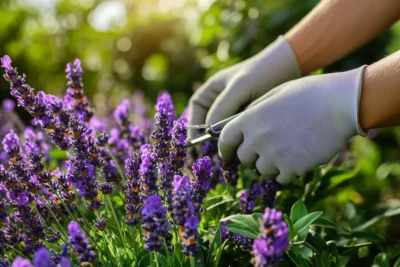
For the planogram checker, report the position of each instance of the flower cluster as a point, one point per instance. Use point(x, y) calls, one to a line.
point(202, 170)
point(155, 227)
point(67, 150)
point(273, 240)
point(80, 244)
point(183, 215)
point(132, 189)
point(75, 99)
point(266, 189)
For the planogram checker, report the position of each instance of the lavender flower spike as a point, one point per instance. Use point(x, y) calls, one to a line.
point(148, 173)
point(178, 144)
point(202, 170)
point(154, 224)
point(81, 106)
point(160, 136)
point(80, 244)
point(20, 262)
point(42, 258)
point(132, 189)
point(273, 239)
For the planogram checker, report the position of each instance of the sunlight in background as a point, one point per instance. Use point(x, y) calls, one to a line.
point(108, 15)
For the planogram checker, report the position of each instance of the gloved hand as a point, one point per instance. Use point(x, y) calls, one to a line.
point(297, 126)
point(225, 92)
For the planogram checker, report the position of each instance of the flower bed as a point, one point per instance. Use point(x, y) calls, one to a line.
point(122, 191)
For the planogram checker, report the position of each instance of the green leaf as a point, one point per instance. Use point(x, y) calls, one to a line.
point(290, 225)
point(222, 202)
point(297, 259)
point(306, 221)
point(317, 242)
point(389, 213)
point(349, 249)
point(382, 260)
point(245, 225)
point(218, 254)
point(322, 222)
point(145, 261)
point(215, 244)
point(298, 211)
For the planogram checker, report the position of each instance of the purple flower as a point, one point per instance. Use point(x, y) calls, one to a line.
point(43, 108)
point(106, 188)
point(155, 227)
point(81, 105)
point(273, 239)
point(230, 172)
point(182, 206)
point(80, 244)
point(160, 136)
point(21, 262)
point(178, 144)
point(132, 189)
point(148, 172)
point(6, 62)
point(11, 144)
point(100, 224)
point(270, 187)
point(189, 235)
point(121, 113)
point(261, 254)
point(237, 239)
point(166, 178)
point(202, 170)
point(8, 105)
point(42, 258)
point(266, 189)
point(242, 241)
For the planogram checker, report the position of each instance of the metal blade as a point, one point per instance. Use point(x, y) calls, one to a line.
point(200, 139)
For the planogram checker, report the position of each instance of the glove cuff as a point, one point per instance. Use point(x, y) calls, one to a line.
point(360, 77)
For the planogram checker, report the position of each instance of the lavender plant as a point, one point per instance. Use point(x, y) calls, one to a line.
point(124, 192)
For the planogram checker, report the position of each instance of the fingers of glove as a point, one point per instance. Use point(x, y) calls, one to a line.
point(229, 140)
point(285, 177)
point(247, 154)
point(229, 101)
point(266, 167)
point(196, 115)
point(270, 94)
point(199, 104)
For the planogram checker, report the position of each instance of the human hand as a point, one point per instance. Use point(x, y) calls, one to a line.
point(225, 92)
point(297, 126)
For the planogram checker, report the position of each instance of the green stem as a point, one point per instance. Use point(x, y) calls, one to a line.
point(167, 250)
point(117, 222)
point(192, 264)
point(135, 245)
point(156, 259)
point(119, 169)
point(55, 218)
point(105, 240)
point(151, 259)
point(16, 250)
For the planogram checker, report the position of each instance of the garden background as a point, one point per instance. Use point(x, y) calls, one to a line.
point(175, 45)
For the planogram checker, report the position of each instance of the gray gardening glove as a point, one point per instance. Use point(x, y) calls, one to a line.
point(225, 92)
point(297, 126)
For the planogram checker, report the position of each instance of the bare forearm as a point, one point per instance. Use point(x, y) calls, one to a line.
point(334, 28)
point(380, 98)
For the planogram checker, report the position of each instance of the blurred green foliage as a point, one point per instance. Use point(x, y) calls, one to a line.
point(151, 45)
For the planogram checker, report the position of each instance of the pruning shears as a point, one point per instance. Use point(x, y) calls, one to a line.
point(211, 131)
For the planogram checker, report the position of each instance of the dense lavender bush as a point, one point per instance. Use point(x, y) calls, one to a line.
point(121, 190)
